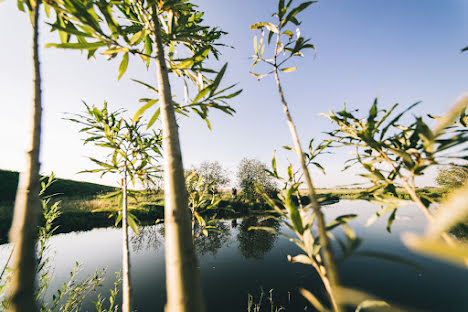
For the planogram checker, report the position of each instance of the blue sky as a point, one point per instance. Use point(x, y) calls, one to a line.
point(401, 51)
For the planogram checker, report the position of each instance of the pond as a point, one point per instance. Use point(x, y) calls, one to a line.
point(236, 263)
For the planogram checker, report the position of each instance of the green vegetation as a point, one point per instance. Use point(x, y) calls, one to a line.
point(252, 172)
point(452, 177)
point(73, 292)
point(212, 173)
point(171, 35)
point(61, 187)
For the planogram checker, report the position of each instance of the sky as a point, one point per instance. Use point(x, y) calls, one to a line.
point(399, 51)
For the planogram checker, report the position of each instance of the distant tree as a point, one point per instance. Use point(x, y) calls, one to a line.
point(213, 173)
point(251, 172)
point(452, 177)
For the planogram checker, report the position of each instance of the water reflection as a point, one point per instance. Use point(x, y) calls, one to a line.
point(216, 239)
point(148, 238)
point(254, 244)
point(235, 262)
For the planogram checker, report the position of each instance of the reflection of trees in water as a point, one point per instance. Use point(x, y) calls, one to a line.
point(149, 238)
point(214, 241)
point(255, 243)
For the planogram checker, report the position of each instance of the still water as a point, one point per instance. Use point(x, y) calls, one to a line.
point(236, 263)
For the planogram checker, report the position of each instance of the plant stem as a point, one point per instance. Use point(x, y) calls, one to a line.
point(126, 287)
point(23, 231)
point(183, 285)
point(332, 271)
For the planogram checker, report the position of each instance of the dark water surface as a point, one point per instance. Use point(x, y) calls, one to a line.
point(235, 262)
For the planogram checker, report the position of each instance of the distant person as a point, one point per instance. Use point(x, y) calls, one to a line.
point(234, 193)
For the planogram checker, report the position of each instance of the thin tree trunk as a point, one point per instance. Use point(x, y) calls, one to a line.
point(126, 288)
point(23, 232)
point(332, 271)
point(183, 285)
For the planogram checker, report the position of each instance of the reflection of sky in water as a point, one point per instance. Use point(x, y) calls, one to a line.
point(235, 262)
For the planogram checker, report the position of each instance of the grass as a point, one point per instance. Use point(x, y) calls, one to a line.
point(83, 205)
point(68, 188)
point(433, 193)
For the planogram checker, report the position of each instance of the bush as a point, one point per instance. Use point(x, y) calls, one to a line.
point(251, 172)
point(452, 177)
point(213, 174)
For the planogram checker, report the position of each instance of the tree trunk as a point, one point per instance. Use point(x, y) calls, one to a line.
point(23, 232)
point(126, 288)
point(183, 285)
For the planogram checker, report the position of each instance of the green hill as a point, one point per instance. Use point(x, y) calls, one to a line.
point(68, 188)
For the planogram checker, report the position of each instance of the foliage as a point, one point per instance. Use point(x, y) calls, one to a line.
point(147, 28)
point(300, 220)
point(393, 152)
point(128, 31)
point(286, 47)
point(73, 292)
point(213, 174)
point(452, 211)
point(130, 149)
point(201, 199)
point(112, 306)
point(251, 172)
point(132, 152)
point(452, 177)
point(288, 44)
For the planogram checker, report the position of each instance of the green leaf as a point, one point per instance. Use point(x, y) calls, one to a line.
point(77, 46)
point(372, 114)
point(294, 214)
point(273, 163)
point(289, 69)
point(154, 118)
point(143, 109)
point(291, 16)
point(132, 223)
point(339, 221)
point(214, 86)
point(118, 219)
point(390, 220)
point(255, 45)
point(271, 27)
point(123, 65)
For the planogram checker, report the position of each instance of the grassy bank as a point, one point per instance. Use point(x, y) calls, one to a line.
point(63, 187)
point(81, 214)
point(83, 205)
point(433, 193)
